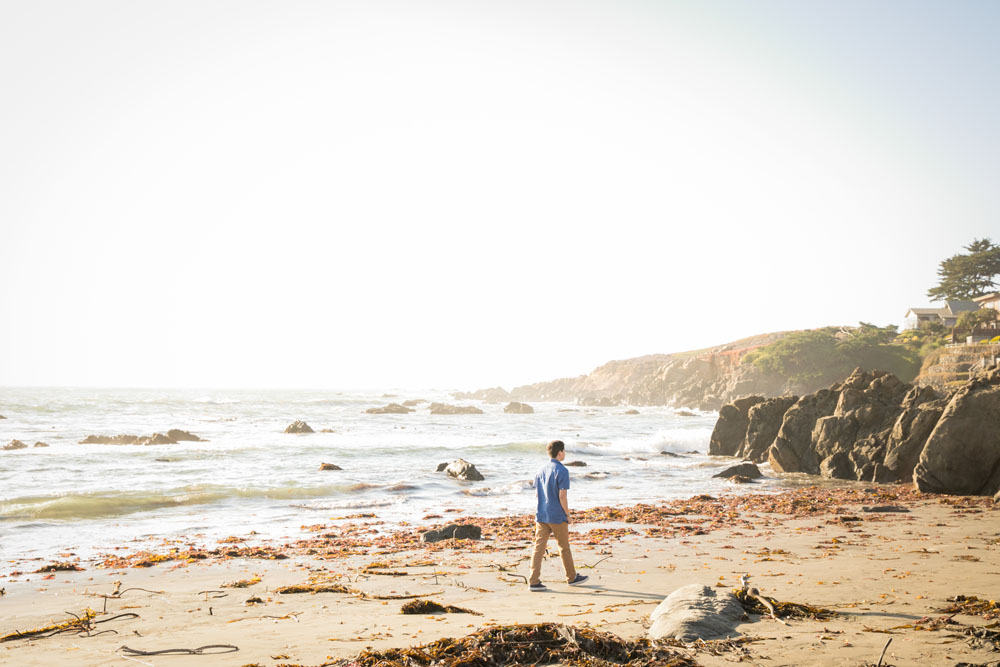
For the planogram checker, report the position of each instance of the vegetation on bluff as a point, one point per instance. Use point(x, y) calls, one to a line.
point(829, 354)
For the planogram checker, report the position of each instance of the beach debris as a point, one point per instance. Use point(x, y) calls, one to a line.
point(518, 408)
point(299, 426)
point(575, 464)
point(432, 607)
point(462, 469)
point(391, 409)
point(546, 643)
point(329, 466)
point(755, 603)
point(972, 606)
point(445, 409)
point(453, 531)
point(242, 583)
point(881, 656)
point(210, 649)
point(60, 567)
point(80, 624)
point(748, 470)
point(250, 601)
point(314, 588)
point(982, 636)
point(14, 444)
point(695, 612)
point(883, 508)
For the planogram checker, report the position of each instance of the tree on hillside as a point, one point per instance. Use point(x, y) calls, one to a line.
point(973, 319)
point(966, 276)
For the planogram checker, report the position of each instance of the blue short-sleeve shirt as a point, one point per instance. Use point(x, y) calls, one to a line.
point(552, 478)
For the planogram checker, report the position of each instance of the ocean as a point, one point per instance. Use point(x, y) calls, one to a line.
point(251, 476)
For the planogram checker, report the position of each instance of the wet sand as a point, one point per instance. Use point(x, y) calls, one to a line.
point(887, 575)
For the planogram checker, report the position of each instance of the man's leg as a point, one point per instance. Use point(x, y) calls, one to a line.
point(542, 531)
point(561, 531)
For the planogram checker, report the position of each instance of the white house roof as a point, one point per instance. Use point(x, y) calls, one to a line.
point(987, 297)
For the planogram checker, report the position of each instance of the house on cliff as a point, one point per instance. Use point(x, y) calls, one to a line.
point(988, 301)
point(947, 315)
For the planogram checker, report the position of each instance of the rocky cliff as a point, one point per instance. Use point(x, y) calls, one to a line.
point(705, 379)
point(874, 427)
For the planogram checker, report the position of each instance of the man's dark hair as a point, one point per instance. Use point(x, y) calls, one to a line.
point(555, 447)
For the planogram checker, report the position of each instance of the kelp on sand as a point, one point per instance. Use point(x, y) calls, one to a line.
point(535, 644)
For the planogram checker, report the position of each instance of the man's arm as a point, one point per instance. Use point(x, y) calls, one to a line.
point(564, 502)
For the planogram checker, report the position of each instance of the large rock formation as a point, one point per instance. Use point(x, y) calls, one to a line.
point(518, 408)
point(14, 444)
point(873, 427)
point(962, 454)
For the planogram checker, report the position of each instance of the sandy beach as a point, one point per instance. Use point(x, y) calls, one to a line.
point(885, 574)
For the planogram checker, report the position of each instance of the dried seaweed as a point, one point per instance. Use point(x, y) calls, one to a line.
point(60, 567)
point(77, 623)
point(972, 606)
point(314, 588)
point(782, 609)
point(540, 644)
point(432, 607)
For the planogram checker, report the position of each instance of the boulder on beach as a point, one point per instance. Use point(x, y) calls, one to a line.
point(183, 436)
point(633, 411)
point(696, 612)
point(462, 469)
point(413, 402)
point(329, 466)
point(2, 417)
point(298, 427)
point(575, 464)
point(442, 467)
point(391, 409)
point(518, 408)
point(445, 409)
point(453, 531)
point(685, 413)
point(748, 470)
point(14, 444)
point(41, 444)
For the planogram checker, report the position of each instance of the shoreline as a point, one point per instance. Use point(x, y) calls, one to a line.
point(879, 571)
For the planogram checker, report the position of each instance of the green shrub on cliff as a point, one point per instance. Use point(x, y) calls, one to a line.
point(824, 356)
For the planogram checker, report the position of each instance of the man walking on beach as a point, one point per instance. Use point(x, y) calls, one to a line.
point(552, 518)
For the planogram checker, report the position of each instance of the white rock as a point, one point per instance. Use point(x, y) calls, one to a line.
point(695, 612)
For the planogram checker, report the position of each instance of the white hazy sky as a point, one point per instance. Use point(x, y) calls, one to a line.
point(465, 193)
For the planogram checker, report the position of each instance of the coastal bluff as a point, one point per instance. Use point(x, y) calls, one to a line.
point(704, 379)
point(874, 427)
